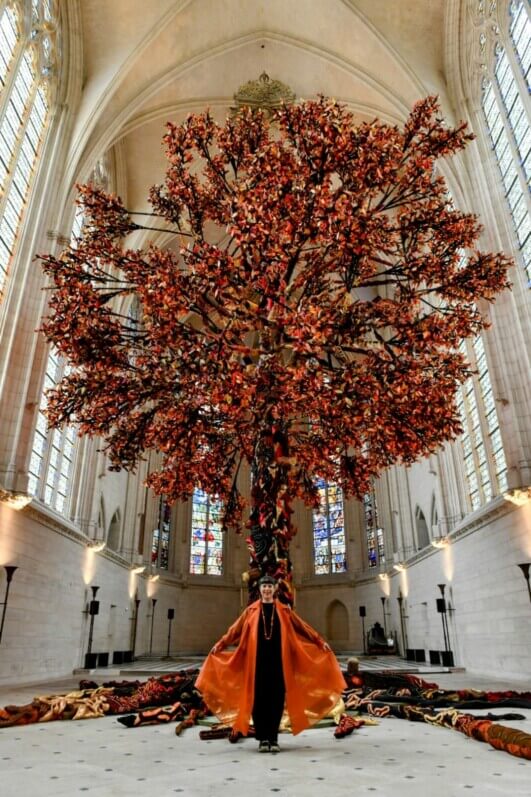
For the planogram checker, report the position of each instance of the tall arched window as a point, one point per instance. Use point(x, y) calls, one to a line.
point(113, 535)
point(206, 550)
point(423, 535)
point(52, 453)
point(330, 553)
point(52, 456)
point(507, 115)
point(160, 541)
point(485, 464)
point(374, 533)
point(28, 63)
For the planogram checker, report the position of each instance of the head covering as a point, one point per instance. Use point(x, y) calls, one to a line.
point(267, 580)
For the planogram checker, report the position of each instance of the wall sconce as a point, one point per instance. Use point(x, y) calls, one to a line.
point(15, 499)
point(440, 542)
point(399, 567)
point(96, 545)
point(524, 567)
point(138, 570)
point(154, 578)
point(518, 495)
point(383, 576)
point(10, 572)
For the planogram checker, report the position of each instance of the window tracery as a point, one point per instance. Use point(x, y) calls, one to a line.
point(160, 542)
point(484, 457)
point(206, 549)
point(53, 453)
point(329, 544)
point(28, 66)
point(508, 121)
point(374, 533)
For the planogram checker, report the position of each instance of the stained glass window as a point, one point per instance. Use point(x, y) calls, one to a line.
point(374, 534)
point(206, 550)
point(506, 111)
point(27, 65)
point(330, 554)
point(160, 545)
point(484, 458)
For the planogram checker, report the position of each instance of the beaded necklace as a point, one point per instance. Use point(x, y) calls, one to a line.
point(266, 635)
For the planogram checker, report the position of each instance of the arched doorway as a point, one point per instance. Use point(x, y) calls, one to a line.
point(337, 622)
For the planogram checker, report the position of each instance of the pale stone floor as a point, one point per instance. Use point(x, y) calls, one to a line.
point(393, 759)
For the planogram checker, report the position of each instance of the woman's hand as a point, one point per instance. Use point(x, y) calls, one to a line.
point(325, 647)
point(217, 647)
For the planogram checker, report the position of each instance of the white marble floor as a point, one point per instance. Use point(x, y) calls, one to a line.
point(396, 758)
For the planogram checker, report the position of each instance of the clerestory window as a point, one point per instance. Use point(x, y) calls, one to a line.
point(484, 457)
point(506, 109)
point(206, 549)
point(329, 546)
point(28, 68)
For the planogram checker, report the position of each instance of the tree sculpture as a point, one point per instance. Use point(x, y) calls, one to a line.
point(309, 324)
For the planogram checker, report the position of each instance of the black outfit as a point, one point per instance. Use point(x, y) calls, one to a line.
point(269, 689)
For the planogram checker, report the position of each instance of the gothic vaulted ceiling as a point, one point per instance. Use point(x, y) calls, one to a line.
point(145, 63)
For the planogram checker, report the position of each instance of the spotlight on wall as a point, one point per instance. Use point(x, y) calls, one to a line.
point(15, 499)
point(518, 495)
point(96, 545)
point(138, 570)
point(440, 542)
point(399, 567)
point(524, 567)
point(10, 572)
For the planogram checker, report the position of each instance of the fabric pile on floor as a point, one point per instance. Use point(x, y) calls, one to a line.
point(367, 696)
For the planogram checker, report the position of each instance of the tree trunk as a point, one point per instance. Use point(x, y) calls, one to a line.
point(270, 516)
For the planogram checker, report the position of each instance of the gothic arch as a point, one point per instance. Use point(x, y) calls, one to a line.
point(337, 621)
point(113, 533)
point(423, 534)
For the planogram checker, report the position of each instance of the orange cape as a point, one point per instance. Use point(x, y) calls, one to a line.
point(312, 677)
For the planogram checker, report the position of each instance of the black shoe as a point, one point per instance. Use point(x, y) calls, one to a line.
point(274, 748)
point(264, 747)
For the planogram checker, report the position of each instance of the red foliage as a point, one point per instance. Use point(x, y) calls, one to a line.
point(309, 324)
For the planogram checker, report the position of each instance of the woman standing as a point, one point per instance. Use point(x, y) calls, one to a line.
point(279, 659)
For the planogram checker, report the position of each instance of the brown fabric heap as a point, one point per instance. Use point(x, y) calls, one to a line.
point(346, 725)
point(174, 697)
point(218, 732)
point(153, 716)
point(501, 737)
point(190, 720)
point(86, 704)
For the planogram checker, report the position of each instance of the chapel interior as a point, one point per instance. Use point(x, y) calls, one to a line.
point(87, 88)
